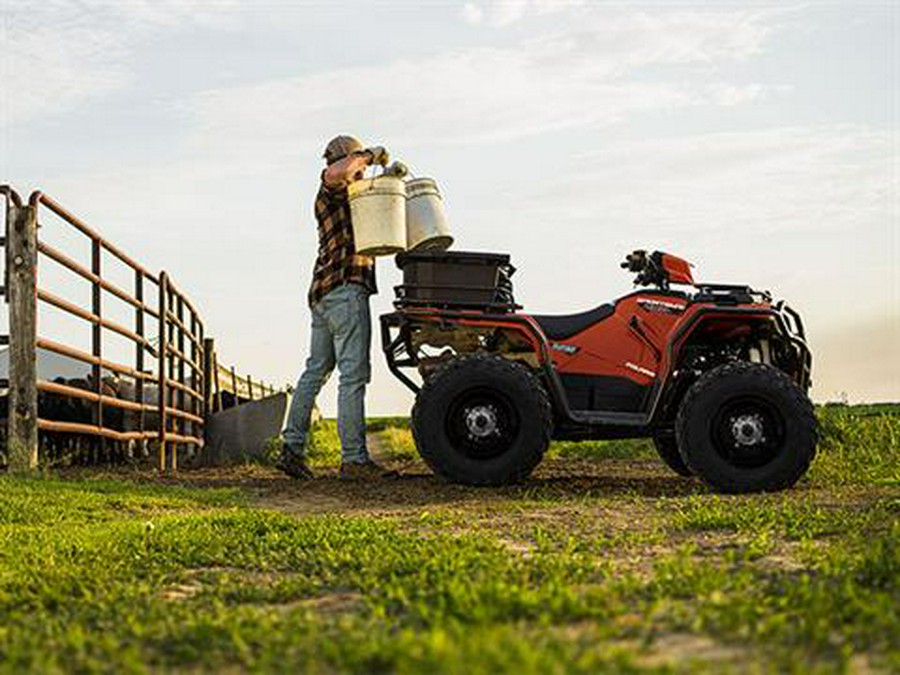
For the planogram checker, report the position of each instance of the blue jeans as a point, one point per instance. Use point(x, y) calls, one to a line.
point(341, 335)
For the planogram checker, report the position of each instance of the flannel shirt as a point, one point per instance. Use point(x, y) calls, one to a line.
point(337, 262)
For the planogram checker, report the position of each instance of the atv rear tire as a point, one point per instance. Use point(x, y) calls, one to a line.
point(482, 420)
point(667, 449)
point(747, 427)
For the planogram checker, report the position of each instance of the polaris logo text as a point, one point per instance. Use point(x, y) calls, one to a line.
point(566, 349)
point(660, 306)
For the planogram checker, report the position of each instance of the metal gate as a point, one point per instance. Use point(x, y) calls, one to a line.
point(119, 402)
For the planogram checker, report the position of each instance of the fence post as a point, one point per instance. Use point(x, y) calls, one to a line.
point(209, 347)
point(217, 401)
point(21, 266)
point(99, 444)
point(197, 379)
point(139, 349)
point(163, 347)
point(181, 425)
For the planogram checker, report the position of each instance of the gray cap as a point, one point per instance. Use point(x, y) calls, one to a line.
point(339, 147)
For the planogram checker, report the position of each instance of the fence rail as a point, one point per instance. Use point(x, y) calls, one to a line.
point(133, 403)
point(242, 388)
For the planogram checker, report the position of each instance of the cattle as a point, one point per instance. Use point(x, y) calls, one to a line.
point(65, 447)
point(127, 391)
point(58, 447)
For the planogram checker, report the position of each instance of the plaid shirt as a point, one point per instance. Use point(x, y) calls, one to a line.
point(337, 262)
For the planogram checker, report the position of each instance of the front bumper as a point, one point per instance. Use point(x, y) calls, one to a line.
point(794, 330)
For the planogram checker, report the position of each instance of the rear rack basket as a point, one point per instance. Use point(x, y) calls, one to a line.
point(457, 279)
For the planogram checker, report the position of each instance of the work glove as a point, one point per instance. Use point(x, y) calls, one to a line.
point(379, 155)
point(397, 169)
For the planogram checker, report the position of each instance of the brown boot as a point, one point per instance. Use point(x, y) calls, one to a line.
point(294, 466)
point(367, 470)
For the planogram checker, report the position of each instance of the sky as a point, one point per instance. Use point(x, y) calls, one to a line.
point(758, 140)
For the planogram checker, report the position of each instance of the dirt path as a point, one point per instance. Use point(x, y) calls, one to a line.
point(417, 488)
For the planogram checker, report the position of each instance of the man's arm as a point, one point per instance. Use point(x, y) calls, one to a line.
point(341, 172)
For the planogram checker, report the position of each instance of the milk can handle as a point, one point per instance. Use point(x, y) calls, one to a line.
point(372, 179)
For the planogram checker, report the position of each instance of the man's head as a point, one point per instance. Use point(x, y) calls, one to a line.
point(339, 147)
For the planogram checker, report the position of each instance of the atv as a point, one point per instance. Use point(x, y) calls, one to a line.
point(717, 375)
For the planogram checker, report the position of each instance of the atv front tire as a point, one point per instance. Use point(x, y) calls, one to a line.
point(482, 420)
point(666, 446)
point(747, 427)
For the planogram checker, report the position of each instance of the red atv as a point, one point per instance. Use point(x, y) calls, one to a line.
point(715, 374)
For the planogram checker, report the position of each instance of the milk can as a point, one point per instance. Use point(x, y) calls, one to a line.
point(378, 214)
point(426, 224)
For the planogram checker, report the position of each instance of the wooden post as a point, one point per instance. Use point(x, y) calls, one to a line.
point(234, 384)
point(180, 423)
point(139, 348)
point(99, 444)
point(170, 375)
point(163, 348)
point(21, 266)
point(209, 347)
point(217, 402)
point(197, 407)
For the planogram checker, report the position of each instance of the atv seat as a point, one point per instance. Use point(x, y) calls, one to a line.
point(562, 327)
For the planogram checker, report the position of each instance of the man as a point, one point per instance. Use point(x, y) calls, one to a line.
point(341, 329)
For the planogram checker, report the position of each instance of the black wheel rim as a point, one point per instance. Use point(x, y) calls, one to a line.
point(748, 432)
point(482, 423)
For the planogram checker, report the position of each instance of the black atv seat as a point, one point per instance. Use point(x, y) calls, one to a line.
point(562, 327)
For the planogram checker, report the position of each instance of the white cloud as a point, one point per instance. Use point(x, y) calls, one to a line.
point(665, 37)
point(58, 54)
point(49, 70)
point(765, 181)
point(579, 78)
point(730, 94)
point(472, 13)
point(504, 12)
point(478, 95)
point(500, 13)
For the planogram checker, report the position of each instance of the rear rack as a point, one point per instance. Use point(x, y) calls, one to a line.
point(456, 280)
point(501, 304)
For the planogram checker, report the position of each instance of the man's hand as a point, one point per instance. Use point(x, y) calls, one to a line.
point(397, 170)
point(379, 155)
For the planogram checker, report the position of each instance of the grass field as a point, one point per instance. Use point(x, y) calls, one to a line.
point(602, 562)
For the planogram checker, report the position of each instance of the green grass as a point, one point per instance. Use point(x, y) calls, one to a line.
point(101, 575)
point(50, 502)
point(858, 447)
point(628, 448)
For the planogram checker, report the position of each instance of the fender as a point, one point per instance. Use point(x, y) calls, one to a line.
point(673, 349)
point(521, 324)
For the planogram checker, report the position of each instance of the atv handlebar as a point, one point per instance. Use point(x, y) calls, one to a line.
point(649, 269)
point(635, 262)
